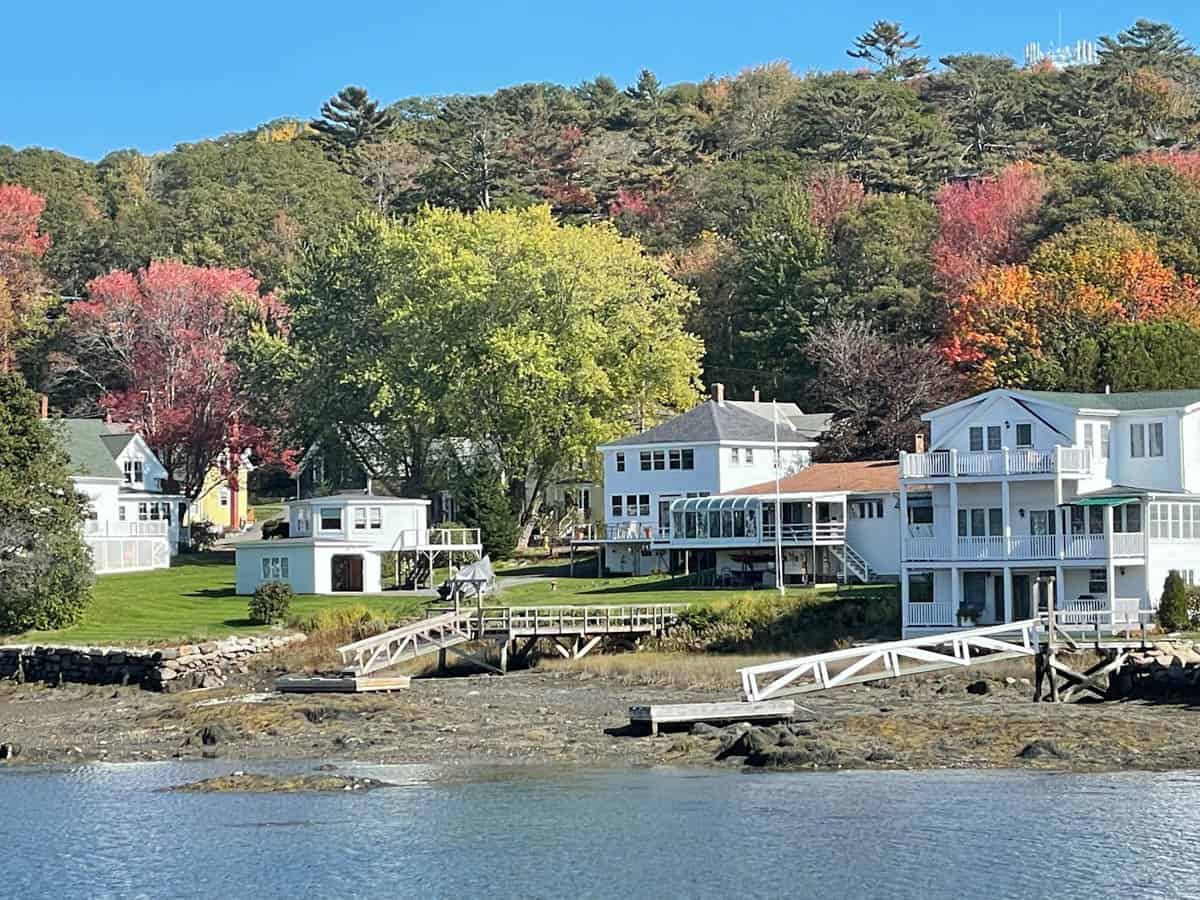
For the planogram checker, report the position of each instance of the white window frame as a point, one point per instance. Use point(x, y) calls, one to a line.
point(376, 517)
point(976, 431)
point(620, 462)
point(1023, 445)
point(616, 504)
point(330, 509)
point(223, 496)
point(735, 456)
point(995, 438)
point(1137, 440)
point(360, 518)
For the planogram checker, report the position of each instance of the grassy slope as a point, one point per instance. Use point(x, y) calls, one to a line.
point(193, 599)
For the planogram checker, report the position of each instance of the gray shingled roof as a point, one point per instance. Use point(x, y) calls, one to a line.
point(1124, 401)
point(733, 420)
point(84, 441)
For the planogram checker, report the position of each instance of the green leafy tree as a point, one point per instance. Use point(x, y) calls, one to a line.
point(533, 341)
point(486, 505)
point(351, 119)
point(891, 50)
point(1173, 605)
point(1150, 356)
point(885, 268)
point(785, 289)
point(45, 568)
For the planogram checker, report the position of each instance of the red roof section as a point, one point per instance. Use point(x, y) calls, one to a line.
point(852, 477)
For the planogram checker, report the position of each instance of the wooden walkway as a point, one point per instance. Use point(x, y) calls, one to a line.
point(573, 630)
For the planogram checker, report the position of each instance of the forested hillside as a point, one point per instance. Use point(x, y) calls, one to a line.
point(874, 240)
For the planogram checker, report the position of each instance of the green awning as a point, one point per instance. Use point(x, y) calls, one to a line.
point(1103, 501)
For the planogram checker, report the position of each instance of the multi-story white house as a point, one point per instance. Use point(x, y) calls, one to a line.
point(337, 544)
point(717, 447)
point(1090, 498)
point(132, 522)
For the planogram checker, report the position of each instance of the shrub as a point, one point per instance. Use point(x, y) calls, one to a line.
point(271, 603)
point(356, 621)
point(1173, 605)
point(202, 536)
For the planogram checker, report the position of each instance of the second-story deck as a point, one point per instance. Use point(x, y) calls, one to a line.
point(940, 464)
point(438, 539)
point(1130, 545)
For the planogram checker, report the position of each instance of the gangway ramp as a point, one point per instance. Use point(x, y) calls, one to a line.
point(892, 659)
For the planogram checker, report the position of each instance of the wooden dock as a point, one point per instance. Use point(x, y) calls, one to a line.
point(656, 715)
point(573, 631)
point(339, 684)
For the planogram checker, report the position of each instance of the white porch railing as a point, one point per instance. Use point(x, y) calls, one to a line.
point(103, 528)
point(1022, 546)
point(936, 612)
point(1129, 544)
point(1090, 611)
point(415, 538)
point(805, 532)
point(952, 463)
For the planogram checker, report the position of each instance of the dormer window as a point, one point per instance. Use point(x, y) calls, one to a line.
point(133, 471)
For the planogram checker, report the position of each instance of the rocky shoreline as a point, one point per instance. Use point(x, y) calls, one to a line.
point(576, 718)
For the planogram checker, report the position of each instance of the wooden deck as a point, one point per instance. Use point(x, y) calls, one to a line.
point(519, 627)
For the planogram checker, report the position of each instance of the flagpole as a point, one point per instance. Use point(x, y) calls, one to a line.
point(778, 506)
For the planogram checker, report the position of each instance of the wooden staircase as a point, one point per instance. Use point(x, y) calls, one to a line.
point(855, 563)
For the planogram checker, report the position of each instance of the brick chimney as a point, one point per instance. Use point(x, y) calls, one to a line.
point(919, 442)
point(718, 392)
point(43, 406)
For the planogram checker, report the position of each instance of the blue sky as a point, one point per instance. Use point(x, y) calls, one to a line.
point(89, 76)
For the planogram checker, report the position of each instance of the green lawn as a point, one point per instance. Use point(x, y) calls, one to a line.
point(640, 590)
point(264, 512)
point(193, 599)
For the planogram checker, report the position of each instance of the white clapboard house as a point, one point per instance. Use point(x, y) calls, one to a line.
point(718, 446)
point(131, 521)
point(340, 544)
point(1090, 498)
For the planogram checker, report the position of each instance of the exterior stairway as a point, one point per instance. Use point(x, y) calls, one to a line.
point(855, 564)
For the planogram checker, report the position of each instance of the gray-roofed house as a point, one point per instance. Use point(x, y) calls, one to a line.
point(719, 446)
point(132, 522)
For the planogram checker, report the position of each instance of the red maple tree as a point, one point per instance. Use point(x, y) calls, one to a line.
point(980, 224)
point(165, 333)
point(24, 291)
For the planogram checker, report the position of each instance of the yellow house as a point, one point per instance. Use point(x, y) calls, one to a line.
point(214, 503)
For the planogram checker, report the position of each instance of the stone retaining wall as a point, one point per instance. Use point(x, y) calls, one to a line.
point(154, 668)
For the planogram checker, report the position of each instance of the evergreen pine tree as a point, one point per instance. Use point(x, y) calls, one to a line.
point(45, 569)
point(350, 119)
point(487, 506)
point(1173, 606)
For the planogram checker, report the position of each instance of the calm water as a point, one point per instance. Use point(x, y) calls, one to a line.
point(103, 831)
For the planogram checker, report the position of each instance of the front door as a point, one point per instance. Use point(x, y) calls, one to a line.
point(347, 574)
point(975, 593)
point(1021, 605)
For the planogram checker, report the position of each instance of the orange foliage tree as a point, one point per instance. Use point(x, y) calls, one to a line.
point(1022, 325)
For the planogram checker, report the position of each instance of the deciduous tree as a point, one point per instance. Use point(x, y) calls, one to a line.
point(161, 345)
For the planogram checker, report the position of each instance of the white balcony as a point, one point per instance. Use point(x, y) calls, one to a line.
point(438, 539)
point(1025, 546)
point(806, 533)
point(99, 529)
point(996, 463)
point(621, 531)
